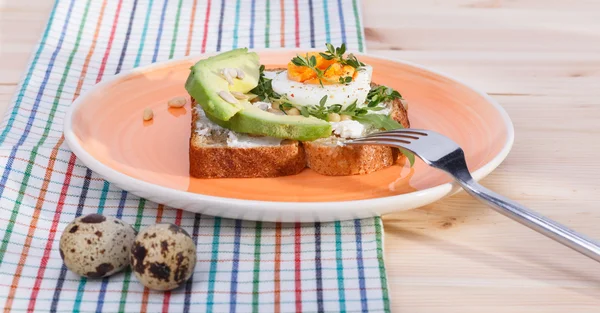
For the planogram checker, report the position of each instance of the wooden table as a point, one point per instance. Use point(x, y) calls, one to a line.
point(541, 60)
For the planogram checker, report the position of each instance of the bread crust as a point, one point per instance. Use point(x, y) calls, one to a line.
point(291, 157)
point(334, 160)
point(210, 161)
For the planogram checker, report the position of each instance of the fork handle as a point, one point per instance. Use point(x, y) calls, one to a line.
point(531, 219)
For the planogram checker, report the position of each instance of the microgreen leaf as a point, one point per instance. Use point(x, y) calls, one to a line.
point(304, 111)
point(323, 100)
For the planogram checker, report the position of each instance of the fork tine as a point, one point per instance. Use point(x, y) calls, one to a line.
point(404, 131)
point(388, 135)
point(387, 141)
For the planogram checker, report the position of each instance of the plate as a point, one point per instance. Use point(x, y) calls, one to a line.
point(105, 130)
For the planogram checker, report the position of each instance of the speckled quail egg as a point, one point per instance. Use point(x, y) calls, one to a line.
point(96, 246)
point(163, 256)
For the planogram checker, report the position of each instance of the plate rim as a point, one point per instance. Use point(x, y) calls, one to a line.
point(414, 199)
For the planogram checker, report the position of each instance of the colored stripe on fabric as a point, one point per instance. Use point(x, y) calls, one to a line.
point(297, 23)
point(360, 264)
point(88, 58)
point(220, 31)
point(32, 226)
point(267, 23)
point(191, 31)
point(206, 24)
point(326, 18)
point(126, 280)
point(318, 267)
point(298, 265)
point(188, 284)
point(127, 35)
point(252, 21)
point(237, 24)
point(144, 32)
point(340, 266)
point(235, 266)
point(342, 22)
point(277, 261)
point(111, 38)
point(102, 293)
point(359, 29)
point(214, 261)
point(312, 24)
point(160, 30)
point(175, 30)
point(256, 275)
point(382, 274)
point(63, 269)
point(52, 233)
point(282, 31)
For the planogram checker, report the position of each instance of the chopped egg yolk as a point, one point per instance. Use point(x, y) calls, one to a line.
point(333, 71)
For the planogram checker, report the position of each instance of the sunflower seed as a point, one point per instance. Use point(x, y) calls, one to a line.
point(240, 73)
point(239, 95)
point(227, 97)
point(232, 72)
point(227, 76)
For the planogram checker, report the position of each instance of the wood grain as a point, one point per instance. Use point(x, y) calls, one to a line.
point(541, 60)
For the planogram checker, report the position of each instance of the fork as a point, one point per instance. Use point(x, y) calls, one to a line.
point(442, 153)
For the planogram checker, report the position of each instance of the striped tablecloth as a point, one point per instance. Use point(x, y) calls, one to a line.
point(242, 266)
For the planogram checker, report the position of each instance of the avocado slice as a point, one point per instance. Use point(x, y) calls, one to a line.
point(253, 120)
point(205, 82)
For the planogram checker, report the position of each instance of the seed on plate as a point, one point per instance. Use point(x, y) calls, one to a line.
point(177, 102)
point(345, 117)
point(239, 95)
point(240, 73)
point(293, 111)
point(333, 117)
point(227, 97)
point(275, 105)
point(404, 103)
point(148, 114)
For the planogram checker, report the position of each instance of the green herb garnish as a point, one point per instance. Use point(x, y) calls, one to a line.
point(264, 90)
point(381, 94)
point(337, 54)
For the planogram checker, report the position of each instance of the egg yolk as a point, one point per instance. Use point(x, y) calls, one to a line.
point(333, 71)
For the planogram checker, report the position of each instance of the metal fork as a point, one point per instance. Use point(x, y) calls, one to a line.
point(442, 153)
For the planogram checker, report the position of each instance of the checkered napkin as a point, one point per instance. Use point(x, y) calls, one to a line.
point(242, 266)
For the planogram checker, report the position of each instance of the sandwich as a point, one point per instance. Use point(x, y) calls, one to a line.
point(249, 121)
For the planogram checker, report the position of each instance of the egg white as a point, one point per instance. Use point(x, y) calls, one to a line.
point(301, 94)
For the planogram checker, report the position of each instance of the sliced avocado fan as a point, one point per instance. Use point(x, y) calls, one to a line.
point(205, 83)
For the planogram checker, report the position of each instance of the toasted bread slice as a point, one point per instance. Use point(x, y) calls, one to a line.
point(328, 156)
point(211, 157)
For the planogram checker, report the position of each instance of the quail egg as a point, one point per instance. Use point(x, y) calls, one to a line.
point(163, 256)
point(96, 246)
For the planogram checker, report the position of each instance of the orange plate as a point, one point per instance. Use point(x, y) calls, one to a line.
point(106, 125)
